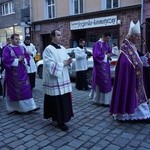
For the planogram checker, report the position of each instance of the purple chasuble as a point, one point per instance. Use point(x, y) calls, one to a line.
point(128, 90)
point(16, 77)
point(101, 70)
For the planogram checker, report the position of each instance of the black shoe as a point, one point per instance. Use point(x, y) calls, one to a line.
point(14, 112)
point(37, 108)
point(86, 89)
point(34, 109)
point(135, 121)
point(145, 121)
point(105, 105)
point(63, 127)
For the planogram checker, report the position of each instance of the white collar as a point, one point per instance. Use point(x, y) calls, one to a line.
point(101, 40)
point(14, 45)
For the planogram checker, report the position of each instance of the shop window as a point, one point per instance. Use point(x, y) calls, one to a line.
point(92, 38)
point(7, 8)
point(2, 37)
point(18, 30)
point(114, 38)
point(7, 32)
point(112, 4)
point(51, 8)
point(78, 6)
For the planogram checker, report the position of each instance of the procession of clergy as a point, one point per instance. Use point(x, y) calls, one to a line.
point(128, 100)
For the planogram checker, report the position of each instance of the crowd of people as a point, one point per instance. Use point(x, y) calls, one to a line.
point(127, 100)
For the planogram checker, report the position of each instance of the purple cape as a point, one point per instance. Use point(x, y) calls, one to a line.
point(128, 90)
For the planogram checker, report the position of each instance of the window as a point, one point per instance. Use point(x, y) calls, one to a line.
point(7, 8)
point(51, 8)
point(95, 35)
point(7, 32)
point(92, 38)
point(78, 6)
point(112, 4)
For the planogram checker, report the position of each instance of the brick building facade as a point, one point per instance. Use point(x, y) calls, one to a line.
point(124, 15)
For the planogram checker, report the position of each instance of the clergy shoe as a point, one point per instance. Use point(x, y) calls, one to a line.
point(63, 127)
point(96, 103)
point(13, 112)
point(37, 108)
point(145, 120)
point(105, 105)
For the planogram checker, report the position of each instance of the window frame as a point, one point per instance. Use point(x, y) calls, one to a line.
point(53, 12)
point(79, 7)
point(7, 8)
point(112, 7)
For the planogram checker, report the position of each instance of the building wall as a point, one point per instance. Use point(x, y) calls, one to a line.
point(63, 8)
point(92, 5)
point(64, 25)
point(11, 23)
point(125, 3)
point(15, 18)
point(10, 20)
point(38, 10)
point(48, 27)
point(146, 10)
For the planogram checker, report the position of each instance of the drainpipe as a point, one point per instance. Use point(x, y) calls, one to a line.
point(142, 26)
point(142, 10)
point(30, 5)
point(31, 20)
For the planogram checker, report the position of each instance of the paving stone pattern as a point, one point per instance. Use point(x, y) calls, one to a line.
point(91, 128)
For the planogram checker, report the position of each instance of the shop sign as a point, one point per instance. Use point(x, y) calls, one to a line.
point(92, 23)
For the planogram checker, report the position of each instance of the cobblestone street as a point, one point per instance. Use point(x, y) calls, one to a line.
point(91, 128)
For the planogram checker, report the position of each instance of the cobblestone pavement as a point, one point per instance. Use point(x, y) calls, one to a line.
point(91, 128)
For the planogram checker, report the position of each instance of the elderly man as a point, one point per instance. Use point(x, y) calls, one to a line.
point(129, 101)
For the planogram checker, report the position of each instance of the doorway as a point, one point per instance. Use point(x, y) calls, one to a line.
point(76, 36)
point(46, 38)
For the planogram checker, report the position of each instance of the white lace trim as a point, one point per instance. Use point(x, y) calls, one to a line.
point(21, 106)
point(100, 98)
point(142, 112)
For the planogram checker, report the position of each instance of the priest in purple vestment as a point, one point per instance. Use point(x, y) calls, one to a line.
point(129, 101)
point(101, 83)
point(19, 96)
